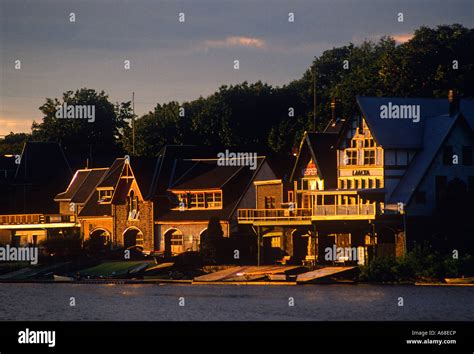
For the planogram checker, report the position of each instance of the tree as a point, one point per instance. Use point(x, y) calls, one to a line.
point(13, 143)
point(81, 135)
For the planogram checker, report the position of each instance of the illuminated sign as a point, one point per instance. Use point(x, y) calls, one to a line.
point(310, 169)
point(361, 173)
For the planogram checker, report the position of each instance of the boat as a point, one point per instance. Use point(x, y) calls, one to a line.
point(61, 278)
point(463, 280)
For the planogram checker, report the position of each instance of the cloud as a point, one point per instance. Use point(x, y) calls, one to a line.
point(236, 41)
point(402, 37)
point(15, 125)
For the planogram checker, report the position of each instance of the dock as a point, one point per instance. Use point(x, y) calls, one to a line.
point(321, 274)
point(245, 274)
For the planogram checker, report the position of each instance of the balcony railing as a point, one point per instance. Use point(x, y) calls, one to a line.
point(361, 209)
point(31, 219)
point(274, 214)
point(321, 212)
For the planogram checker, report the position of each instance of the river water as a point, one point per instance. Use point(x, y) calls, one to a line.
point(234, 302)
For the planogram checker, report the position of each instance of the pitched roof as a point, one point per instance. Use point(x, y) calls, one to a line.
point(205, 174)
point(400, 133)
point(426, 136)
point(93, 178)
point(112, 176)
point(239, 179)
point(43, 172)
point(76, 182)
point(82, 185)
point(144, 169)
point(467, 110)
point(321, 148)
point(94, 208)
point(435, 133)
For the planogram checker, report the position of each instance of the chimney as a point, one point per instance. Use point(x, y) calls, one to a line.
point(453, 102)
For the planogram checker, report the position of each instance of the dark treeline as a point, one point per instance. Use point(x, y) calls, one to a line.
point(433, 61)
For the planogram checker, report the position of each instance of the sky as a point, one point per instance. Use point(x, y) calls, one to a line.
point(173, 60)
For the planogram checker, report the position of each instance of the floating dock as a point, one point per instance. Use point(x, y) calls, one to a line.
point(321, 274)
point(245, 274)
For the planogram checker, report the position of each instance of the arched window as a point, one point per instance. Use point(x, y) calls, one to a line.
point(132, 205)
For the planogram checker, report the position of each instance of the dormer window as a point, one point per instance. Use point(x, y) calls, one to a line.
point(105, 195)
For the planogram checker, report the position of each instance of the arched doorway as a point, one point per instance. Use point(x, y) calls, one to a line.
point(99, 240)
point(174, 242)
point(132, 237)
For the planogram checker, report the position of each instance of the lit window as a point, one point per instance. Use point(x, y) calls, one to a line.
point(369, 143)
point(176, 239)
point(369, 157)
point(351, 157)
point(270, 202)
point(197, 200)
point(105, 195)
point(132, 205)
point(214, 200)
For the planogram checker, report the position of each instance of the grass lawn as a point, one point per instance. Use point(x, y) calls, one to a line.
point(108, 269)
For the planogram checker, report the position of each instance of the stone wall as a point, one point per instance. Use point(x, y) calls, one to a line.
point(144, 223)
point(191, 233)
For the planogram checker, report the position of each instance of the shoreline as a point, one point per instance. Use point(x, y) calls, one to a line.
point(192, 282)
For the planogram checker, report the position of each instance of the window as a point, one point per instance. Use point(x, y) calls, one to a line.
point(377, 183)
point(270, 202)
point(105, 195)
point(349, 184)
point(214, 200)
point(448, 155)
point(290, 196)
point(369, 157)
point(467, 155)
point(182, 199)
point(202, 200)
point(420, 197)
point(363, 184)
point(351, 157)
point(356, 184)
point(371, 183)
point(176, 239)
point(369, 143)
point(132, 205)
point(197, 200)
